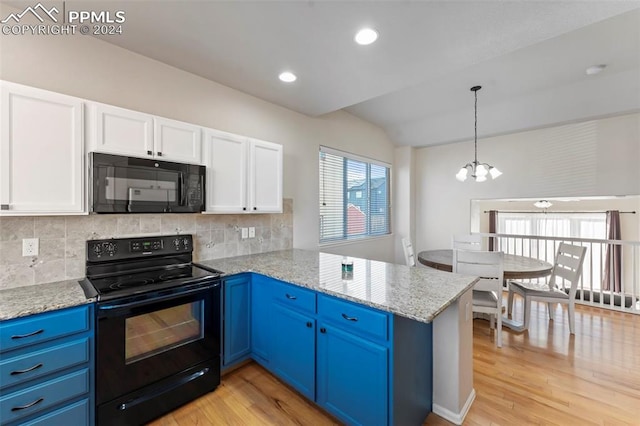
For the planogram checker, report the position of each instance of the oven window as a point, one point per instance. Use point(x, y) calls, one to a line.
point(163, 330)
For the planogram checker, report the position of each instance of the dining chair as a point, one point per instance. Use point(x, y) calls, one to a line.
point(409, 256)
point(487, 292)
point(567, 267)
point(466, 242)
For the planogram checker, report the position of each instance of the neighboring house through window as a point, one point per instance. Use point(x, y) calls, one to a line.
point(354, 196)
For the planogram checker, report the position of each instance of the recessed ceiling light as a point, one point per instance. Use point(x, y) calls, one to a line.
point(287, 77)
point(595, 69)
point(366, 36)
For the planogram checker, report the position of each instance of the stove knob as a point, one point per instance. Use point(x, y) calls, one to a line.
point(185, 243)
point(97, 250)
point(110, 248)
point(176, 243)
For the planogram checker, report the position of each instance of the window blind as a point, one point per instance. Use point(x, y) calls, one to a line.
point(354, 196)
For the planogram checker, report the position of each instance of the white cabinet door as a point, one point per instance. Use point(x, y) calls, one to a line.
point(177, 141)
point(41, 152)
point(226, 160)
point(121, 131)
point(265, 177)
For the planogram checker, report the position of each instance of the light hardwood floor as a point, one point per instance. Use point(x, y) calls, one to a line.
point(543, 376)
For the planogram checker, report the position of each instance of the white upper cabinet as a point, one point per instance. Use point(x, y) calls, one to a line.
point(124, 132)
point(226, 160)
point(177, 141)
point(244, 175)
point(41, 152)
point(120, 131)
point(265, 177)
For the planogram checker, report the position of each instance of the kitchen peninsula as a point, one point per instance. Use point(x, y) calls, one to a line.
point(395, 335)
point(425, 307)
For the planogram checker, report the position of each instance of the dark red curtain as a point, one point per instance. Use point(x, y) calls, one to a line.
point(493, 226)
point(613, 258)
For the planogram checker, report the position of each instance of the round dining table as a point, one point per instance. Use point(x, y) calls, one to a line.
point(515, 267)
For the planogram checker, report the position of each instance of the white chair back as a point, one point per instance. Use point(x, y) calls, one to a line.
point(466, 242)
point(568, 267)
point(487, 291)
point(488, 265)
point(409, 256)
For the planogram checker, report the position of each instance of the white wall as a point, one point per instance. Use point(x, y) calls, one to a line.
point(403, 198)
point(93, 69)
point(593, 158)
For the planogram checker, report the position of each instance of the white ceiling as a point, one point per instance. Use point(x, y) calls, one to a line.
point(530, 57)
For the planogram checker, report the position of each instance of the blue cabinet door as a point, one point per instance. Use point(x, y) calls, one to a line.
point(237, 319)
point(352, 376)
point(261, 318)
point(293, 349)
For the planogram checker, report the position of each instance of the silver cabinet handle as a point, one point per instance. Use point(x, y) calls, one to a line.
point(159, 154)
point(290, 297)
point(22, 336)
point(348, 318)
point(4, 206)
point(29, 405)
point(26, 370)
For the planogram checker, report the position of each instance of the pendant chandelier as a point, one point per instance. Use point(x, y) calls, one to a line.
point(477, 170)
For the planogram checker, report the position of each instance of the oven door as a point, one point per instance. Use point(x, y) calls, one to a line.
point(143, 342)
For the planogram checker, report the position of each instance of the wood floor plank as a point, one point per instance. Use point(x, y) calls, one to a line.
point(544, 376)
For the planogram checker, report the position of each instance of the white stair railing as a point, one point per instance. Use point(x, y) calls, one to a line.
point(591, 290)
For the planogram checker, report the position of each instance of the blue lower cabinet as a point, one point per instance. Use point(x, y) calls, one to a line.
point(46, 369)
point(261, 318)
point(73, 414)
point(293, 349)
point(352, 377)
point(237, 319)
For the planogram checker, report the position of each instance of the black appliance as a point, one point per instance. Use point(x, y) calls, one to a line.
point(158, 321)
point(140, 185)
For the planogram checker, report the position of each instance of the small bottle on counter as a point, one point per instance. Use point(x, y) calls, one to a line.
point(347, 269)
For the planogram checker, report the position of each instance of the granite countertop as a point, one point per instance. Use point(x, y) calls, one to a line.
point(412, 292)
point(34, 299)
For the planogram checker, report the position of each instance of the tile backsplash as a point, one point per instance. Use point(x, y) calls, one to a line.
point(63, 239)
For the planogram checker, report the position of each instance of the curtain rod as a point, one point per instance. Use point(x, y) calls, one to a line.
point(555, 211)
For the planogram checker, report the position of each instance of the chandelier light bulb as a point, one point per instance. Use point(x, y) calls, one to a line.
point(462, 174)
point(481, 170)
point(481, 178)
point(494, 172)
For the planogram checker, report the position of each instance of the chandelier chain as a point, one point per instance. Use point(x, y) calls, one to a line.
point(475, 128)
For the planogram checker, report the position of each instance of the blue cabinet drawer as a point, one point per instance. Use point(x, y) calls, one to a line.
point(295, 297)
point(39, 363)
point(74, 414)
point(34, 399)
point(353, 318)
point(39, 328)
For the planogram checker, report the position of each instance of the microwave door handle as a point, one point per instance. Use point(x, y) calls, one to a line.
point(183, 190)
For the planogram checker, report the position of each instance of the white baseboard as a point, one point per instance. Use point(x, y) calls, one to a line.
point(455, 418)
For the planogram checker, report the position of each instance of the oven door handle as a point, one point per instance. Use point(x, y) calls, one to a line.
point(111, 306)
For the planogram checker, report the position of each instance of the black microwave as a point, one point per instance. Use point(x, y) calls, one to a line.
point(120, 184)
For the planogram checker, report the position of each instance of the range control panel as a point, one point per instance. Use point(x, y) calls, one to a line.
point(131, 248)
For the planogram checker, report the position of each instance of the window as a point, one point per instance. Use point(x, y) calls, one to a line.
point(556, 224)
point(354, 196)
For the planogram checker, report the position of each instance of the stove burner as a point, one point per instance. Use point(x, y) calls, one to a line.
point(128, 282)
